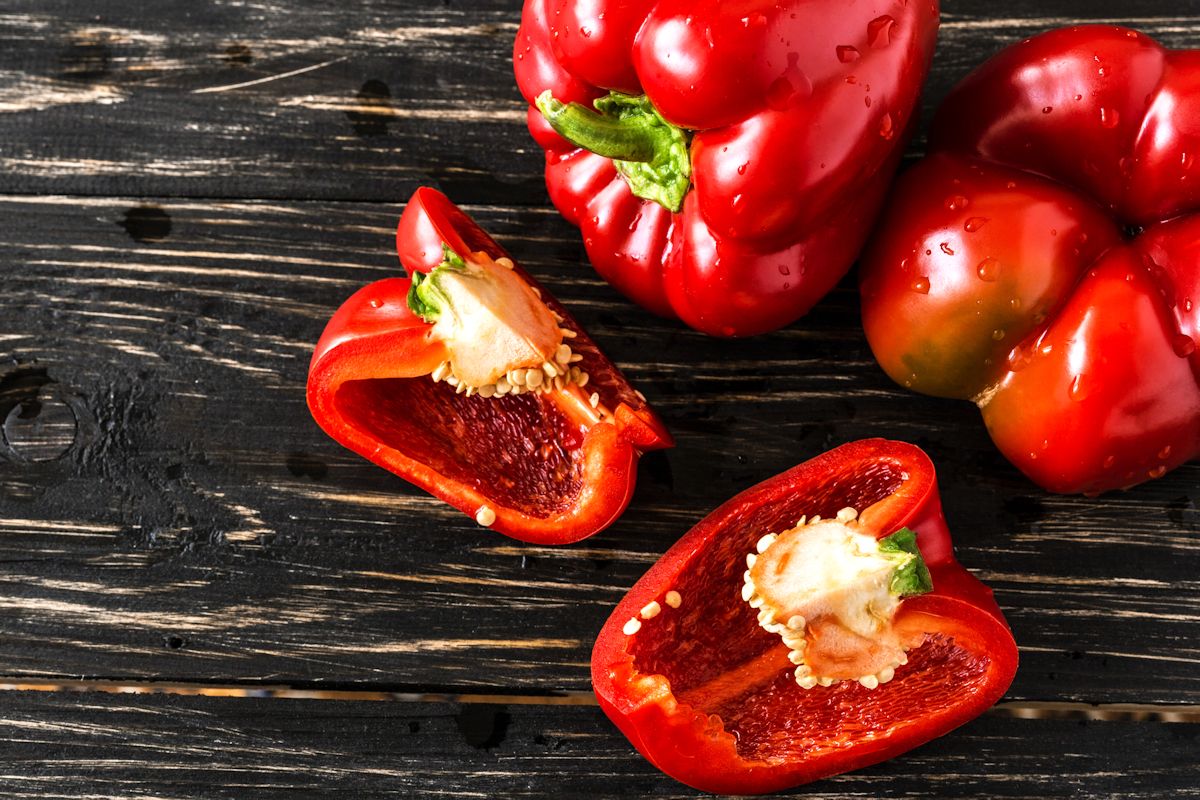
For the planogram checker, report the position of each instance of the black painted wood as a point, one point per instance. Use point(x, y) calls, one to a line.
point(198, 503)
point(120, 97)
point(174, 242)
point(108, 747)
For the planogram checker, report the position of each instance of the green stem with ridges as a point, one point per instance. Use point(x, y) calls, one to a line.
point(912, 577)
point(425, 298)
point(652, 155)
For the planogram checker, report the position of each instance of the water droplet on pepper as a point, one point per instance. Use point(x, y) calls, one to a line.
point(879, 31)
point(887, 127)
point(988, 269)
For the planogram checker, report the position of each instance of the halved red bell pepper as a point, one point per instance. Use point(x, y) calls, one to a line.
point(1044, 260)
point(741, 152)
point(748, 680)
point(548, 463)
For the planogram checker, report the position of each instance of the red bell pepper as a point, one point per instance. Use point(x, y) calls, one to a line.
point(1044, 260)
point(835, 649)
point(741, 150)
point(543, 450)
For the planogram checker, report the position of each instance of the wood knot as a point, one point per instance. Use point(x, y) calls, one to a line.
point(373, 111)
point(38, 423)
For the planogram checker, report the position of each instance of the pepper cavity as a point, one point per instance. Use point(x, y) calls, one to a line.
point(831, 592)
point(500, 336)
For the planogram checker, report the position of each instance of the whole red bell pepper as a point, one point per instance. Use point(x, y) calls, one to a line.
point(737, 153)
point(1044, 260)
point(767, 649)
point(430, 376)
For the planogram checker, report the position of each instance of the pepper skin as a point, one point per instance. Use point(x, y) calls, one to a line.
point(789, 117)
point(1044, 260)
point(708, 696)
point(551, 466)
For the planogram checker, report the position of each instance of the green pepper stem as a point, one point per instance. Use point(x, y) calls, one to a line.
point(652, 154)
point(631, 138)
point(912, 577)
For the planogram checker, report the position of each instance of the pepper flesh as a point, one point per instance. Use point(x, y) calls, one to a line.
point(489, 319)
point(500, 338)
point(1042, 260)
point(792, 118)
point(549, 466)
point(709, 696)
point(831, 593)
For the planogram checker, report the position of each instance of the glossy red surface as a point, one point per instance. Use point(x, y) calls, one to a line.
point(800, 112)
point(1031, 263)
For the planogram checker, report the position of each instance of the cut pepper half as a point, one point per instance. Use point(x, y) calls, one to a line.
point(472, 382)
point(904, 643)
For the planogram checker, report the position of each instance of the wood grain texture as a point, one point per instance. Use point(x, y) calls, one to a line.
point(118, 97)
point(201, 527)
point(190, 189)
point(106, 747)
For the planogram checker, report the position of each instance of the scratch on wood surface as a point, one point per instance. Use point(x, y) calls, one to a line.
point(22, 92)
point(26, 21)
point(440, 645)
point(126, 346)
point(79, 312)
point(269, 78)
point(92, 587)
point(1117, 654)
point(1028, 25)
point(56, 528)
point(569, 554)
point(399, 501)
point(255, 527)
point(475, 112)
point(231, 363)
point(253, 299)
point(1049, 581)
point(179, 166)
point(119, 36)
point(225, 618)
point(489, 581)
point(212, 255)
point(414, 33)
point(157, 268)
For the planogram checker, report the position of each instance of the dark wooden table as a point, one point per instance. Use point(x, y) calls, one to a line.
point(203, 596)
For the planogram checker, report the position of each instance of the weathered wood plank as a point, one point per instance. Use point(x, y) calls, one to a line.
point(234, 99)
point(169, 747)
point(200, 527)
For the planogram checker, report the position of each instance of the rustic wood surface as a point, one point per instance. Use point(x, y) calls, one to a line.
point(189, 191)
point(64, 746)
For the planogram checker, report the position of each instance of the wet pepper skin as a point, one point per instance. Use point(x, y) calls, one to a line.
point(708, 696)
point(549, 471)
point(1044, 260)
point(799, 110)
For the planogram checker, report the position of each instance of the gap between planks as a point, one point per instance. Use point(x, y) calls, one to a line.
point(1027, 709)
